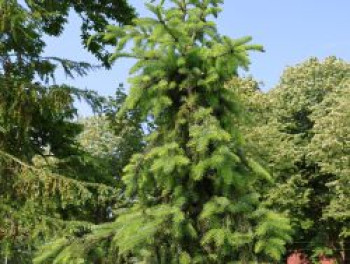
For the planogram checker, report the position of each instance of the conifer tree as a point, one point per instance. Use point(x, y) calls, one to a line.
point(37, 125)
point(192, 189)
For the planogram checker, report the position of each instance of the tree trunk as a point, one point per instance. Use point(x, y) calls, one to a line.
point(347, 250)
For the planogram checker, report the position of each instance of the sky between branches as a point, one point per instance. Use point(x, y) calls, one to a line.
point(290, 30)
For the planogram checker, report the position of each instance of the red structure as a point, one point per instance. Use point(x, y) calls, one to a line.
point(298, 257)
point(326, 260)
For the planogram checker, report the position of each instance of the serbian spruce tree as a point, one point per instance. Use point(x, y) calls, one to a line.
point(192, 187)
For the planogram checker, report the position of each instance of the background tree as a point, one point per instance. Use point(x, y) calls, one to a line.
point(37, 119)
point(107, 143)
point(26, 99)
point(192, 188)
point(24, 23)
point(302, 133)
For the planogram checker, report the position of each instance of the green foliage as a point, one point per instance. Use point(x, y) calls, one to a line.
point(193, 190)
point(21, 35)
point(106, 144)
point(34, 115)
point(302, 134)
point(49, 204)
point(37, 126)
point(37, 204)
point(25, 22)
point(37, 120)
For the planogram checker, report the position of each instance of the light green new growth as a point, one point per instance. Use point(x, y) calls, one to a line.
point(193, 189)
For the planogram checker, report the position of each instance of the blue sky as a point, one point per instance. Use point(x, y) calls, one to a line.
point(291, 31)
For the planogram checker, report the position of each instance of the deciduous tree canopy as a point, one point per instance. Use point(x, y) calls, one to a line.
point(302, 134)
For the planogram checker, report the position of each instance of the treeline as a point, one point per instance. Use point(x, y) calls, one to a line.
point(194, 165)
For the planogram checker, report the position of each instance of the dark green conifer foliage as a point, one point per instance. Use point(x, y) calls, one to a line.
point(192, 187)
point(37, 119)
